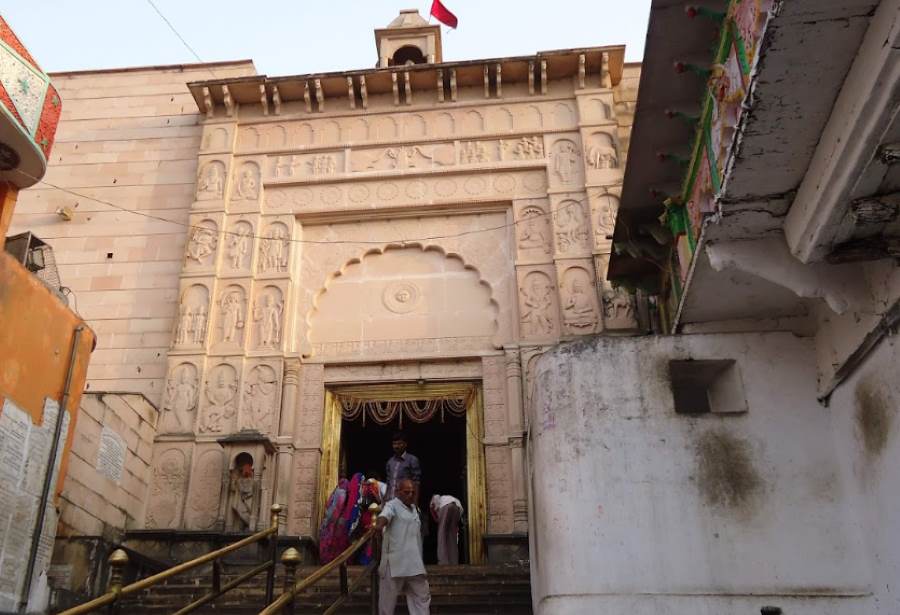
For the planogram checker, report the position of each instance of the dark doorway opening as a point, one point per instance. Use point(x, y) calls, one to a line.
point(440, 446)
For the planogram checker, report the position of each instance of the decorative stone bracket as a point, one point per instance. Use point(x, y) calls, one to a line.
point(839, 285)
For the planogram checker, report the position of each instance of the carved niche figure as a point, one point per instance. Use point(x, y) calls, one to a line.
point(618, 308)
point(190, 328)
point(211, 181)
point(202, 243)
point(565, 161)
point(601, 154)
point(534, 230)
point(267, 311)
point(571, 231)
point(240, 241)
point(323, 164)
point(606, 209)
point(244, 495)
point(578, 307)
point(169, 476)
point(198, 325)
point(284, 166)
point(273, 249)
point(232, 310)
point(537, 301)
point(221, 391)
point(260, 392)
point(184, 330)
point(181, 398)
point(247, 183)
point(206, 489)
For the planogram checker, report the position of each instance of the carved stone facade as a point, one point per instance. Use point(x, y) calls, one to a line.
point(376, 238)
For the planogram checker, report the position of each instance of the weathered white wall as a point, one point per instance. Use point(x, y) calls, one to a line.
point(639, 510)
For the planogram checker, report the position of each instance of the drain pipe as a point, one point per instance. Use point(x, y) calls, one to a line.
point(48, 475)
point(888, 325)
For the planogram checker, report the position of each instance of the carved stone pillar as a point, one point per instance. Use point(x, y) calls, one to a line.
point(284, 445)
point(516, 434)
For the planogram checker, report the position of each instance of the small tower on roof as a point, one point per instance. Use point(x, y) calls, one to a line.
point(408, 39)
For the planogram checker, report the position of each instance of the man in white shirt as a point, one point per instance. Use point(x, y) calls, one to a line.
point(401, 554)
point(446, 510)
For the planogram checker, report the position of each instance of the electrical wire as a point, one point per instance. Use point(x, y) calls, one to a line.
point(180, 38)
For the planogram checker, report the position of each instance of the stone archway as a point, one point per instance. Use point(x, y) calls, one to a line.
point(403, 302)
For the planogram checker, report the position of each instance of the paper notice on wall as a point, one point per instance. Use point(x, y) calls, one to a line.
point(24, 453)
point(111, 455)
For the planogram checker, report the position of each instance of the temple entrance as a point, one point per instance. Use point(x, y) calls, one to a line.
point(440, 445)
point(443, 425)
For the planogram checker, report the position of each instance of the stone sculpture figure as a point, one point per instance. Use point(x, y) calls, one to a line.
point(247, 188)
point(571, 234)
point(169, 477)
point(211, 184)
point(274, 250)
point(185, 325)
point(202, 244)
point(602, 156)
point(181, 397)
point(259, 398)
point(534, 231)
point(239, 246)
point(232, 315)
point(244, 494)
point(538, 303)
point(578, 311)
point(565, 161)
point(617, 306)
point(267, 312)
point(220, 391)
point(198, 325)
point(528, 148)
point(473, 151)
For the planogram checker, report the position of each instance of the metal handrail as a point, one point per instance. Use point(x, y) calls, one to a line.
point(286, 599)
point(119, 559)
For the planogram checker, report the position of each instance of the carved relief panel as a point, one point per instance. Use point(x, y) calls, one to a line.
point(212, 178)
point(193, 315)
point(566, 165)
point(217, 138)
point(207, 480)
point(538, 305)
point(168, 482)
point(602, 156)
point(618, 308)
point(275, 245)
point(604, 208)
point(238, 243)
point(179, 407)
point(268, 317)
point(578, 297)
point(231, 318)
point(534, 231)
point(246, 186)
point(595, 107)
point(571, 227)
point(403, 157)
point(219, 399)
point(260, 396)
point(202, 246)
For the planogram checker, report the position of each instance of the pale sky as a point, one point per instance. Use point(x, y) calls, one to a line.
point(284, 38)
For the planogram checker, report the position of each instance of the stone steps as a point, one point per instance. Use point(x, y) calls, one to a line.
point(470, 590)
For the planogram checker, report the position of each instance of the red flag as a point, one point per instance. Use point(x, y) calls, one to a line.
point(440, 12)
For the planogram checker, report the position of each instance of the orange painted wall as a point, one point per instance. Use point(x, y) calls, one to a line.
point(36, 335)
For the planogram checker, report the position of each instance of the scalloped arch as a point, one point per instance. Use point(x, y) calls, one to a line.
point(395, 247)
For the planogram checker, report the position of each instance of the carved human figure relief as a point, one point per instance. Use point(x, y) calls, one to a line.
point(232, 312)
point(601, 152)
point(322, 164)
point(244, 492)
point(180, 399)
point(579, 313)
point(167, 490)
point(221, 398)
point(268, 312)
point(201, 246)
point(528, 148)
point(283, 166)
point(246, 183)
point(240, 244)
point(273, 249)
point(618, 308)
point(571, 229)
point(565, 160)
point(211, 181)
point(472, 152)
point(605, 209)
point(534, 230)
point(190, 326)
point(537, 303)
point(260, 396)
point(206, 489)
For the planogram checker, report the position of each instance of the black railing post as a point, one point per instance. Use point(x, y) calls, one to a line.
point(343, 572)
point(273, 555)
point(216, 577)
point(290, 558)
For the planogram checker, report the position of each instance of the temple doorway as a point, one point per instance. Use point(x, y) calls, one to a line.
point(443, 426)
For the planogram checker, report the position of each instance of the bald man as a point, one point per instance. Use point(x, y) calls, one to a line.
point(401, 555)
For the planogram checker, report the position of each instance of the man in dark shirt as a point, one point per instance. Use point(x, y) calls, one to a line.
point(402, 465)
